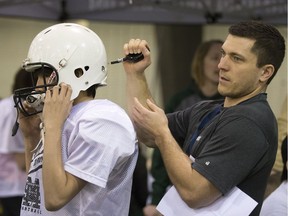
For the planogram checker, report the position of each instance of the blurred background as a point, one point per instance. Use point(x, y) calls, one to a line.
point(173, 29)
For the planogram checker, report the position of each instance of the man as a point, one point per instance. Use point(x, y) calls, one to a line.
point(84, 161)
point(211, 147)
point(203, 86)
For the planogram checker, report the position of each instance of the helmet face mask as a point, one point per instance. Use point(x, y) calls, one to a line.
point(73, 54)
point(34, 96)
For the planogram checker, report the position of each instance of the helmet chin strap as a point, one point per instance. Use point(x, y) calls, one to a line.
point(16, 124)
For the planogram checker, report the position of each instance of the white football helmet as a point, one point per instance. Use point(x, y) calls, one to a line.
point(76, 55)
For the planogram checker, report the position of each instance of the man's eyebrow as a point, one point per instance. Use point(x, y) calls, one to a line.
point(235, 53)
point(231, 53)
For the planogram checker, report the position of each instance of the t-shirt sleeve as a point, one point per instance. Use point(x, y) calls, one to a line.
point(95, 146)
point(232, 151)
point(179, 124)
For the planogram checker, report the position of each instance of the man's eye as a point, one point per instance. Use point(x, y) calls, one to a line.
point(236, 58)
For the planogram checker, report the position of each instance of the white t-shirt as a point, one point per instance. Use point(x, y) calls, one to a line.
point(99, 145)
point(12, 179)
point(276, 203)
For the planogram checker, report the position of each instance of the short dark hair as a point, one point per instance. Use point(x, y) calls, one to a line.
point(22, 79)
point(269, 45)
point(91, 91)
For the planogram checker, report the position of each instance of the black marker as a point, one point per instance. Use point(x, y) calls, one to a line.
point(131, 58)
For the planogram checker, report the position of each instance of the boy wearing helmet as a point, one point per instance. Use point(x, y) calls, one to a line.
point(84, 161)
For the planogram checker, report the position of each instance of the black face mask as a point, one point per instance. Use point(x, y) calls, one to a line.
point(34, 95)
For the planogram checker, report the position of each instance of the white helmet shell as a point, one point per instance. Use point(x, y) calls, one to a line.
point(70, 47)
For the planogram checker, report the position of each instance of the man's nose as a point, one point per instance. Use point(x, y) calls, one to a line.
point(223, 63)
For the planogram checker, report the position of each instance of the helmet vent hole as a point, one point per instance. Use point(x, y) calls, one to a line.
point(78, 72)
point(86, 68)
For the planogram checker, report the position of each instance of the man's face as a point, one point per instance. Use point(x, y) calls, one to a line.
point(239, 75)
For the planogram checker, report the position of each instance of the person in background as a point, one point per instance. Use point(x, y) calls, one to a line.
point(203, 86)
point(213, 147)
point(276, 203)
point(81, 152)
point(274, 179)
point(282, 133)
point(12, 152)
point(204, 77)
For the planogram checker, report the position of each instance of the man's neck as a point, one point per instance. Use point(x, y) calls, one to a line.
point(231, 101)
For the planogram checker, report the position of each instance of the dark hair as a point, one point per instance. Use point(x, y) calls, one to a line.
point(22, 79)
point(198, 60)
point(269, 45)
point(91, 91)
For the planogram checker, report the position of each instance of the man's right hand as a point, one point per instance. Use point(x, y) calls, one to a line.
point(136, 46)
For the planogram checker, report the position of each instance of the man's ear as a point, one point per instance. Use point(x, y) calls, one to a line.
point(267, 72)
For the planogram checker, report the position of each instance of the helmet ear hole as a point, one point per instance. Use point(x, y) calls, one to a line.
point(86, 68)
point(78, 72)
